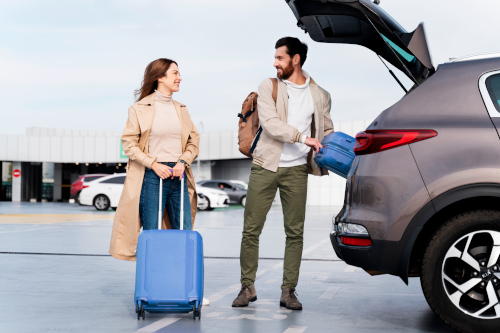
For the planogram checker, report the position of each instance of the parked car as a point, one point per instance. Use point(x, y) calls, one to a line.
point(422, 194)
point(240, 183)
point(202, 202)
point(214, 198)
point(236, 191)
point(76, 187)
point(104, 192)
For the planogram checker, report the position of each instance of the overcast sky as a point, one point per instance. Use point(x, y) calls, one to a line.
point(75, 64)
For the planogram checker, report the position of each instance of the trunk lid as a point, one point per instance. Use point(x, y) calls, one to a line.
point(363, 23)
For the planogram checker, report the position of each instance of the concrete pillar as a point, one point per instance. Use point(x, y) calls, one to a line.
point(58, 181)
point(16, 183)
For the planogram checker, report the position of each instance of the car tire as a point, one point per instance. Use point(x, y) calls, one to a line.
point(207, 207)
point(101, 202)
point(114, 208)
point(459, 281)
point(243, 201)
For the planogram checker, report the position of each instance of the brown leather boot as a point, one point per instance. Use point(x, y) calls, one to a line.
point(247, 294)
point(289, 299)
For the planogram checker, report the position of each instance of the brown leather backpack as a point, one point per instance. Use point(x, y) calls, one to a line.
point(248, 126)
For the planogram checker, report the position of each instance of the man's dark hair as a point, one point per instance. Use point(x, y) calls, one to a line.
point(293, 46)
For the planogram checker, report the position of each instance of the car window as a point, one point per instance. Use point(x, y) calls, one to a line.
point(91, 178)
point(210, 184)
point(493, 86)
point(225, 186)
point(405, 55)
point(240, 186)
point(115, 180)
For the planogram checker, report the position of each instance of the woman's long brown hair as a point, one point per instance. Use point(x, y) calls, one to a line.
point(155, 70)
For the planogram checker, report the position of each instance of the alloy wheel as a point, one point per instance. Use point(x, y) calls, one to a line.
point(471, 274)
point(205, 205)
point(101, 202)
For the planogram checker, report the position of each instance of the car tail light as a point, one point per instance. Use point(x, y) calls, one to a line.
point(85, 186)
point(356, 241)
point(371, 141)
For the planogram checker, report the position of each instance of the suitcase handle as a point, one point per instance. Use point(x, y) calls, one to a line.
point(160, 210)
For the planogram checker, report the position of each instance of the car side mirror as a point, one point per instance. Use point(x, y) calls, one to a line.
point(234, 188)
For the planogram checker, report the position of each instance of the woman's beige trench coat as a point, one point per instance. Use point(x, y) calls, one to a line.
point(135, 140)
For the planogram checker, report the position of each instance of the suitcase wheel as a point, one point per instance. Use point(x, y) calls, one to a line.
point(196, 311)
point(140, 312)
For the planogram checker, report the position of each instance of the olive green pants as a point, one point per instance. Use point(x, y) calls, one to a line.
point(292, 183)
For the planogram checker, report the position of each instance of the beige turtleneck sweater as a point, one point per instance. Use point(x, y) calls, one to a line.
point(165, 137)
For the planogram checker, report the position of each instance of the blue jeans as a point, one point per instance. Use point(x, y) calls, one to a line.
point(171, 199)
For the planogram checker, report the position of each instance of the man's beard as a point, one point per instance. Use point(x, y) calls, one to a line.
point(286, 72)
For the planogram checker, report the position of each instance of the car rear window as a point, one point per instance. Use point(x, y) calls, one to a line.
point(493, 86)
point(91, 178)
point(405, 55)
point(115, 180)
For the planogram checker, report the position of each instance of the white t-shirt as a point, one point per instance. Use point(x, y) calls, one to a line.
point(300, 114)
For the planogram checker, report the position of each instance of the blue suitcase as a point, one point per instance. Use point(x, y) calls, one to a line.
point(169, 271)
point(337, 153)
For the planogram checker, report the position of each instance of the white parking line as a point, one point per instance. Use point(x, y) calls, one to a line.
point(242, 308)
point(280, 264)
point(24, 230)
point(248, 316)
point(329, 293)
point(295, 329)
point(350, 269)
point(314, 247)
point(158, 325)
point(223, 293)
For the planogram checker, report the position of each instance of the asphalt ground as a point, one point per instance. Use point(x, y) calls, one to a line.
point(56, 276)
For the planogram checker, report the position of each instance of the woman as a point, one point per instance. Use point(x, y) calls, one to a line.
point(161, 141)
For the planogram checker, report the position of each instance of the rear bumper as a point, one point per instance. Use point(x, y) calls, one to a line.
point(381, 256)
point(86, 199)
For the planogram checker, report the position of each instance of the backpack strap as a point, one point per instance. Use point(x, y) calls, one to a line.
point(275, 89)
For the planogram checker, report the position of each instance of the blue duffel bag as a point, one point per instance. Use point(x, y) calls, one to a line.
point(337, 153)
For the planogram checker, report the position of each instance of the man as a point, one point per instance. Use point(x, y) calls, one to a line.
point(282, 159)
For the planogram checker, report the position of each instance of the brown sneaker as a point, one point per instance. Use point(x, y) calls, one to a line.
point(289, 299)
point(247, 294)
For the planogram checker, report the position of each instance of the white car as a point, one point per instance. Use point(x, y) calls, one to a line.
point(104, 192)
point(213, 198)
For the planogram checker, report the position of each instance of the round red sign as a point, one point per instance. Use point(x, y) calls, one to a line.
point(16, 173)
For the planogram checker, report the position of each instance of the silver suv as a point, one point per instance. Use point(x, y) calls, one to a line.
point(423, 194)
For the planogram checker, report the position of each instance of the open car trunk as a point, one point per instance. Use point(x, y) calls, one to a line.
point(364, 23)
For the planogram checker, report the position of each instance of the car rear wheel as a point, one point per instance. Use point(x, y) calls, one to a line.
point(243, 201)
point(461, 273)
point(205, 206)
point(101, 202)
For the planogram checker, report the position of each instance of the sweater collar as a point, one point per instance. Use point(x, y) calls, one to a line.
point(299, 86)
point(160, 98)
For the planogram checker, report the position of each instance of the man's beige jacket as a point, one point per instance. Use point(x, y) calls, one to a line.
point(276, 131)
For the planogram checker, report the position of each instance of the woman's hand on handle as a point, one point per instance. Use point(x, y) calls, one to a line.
point(178, 170)
point(161, 170)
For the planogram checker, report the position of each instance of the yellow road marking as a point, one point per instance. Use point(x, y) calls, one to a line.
point(50, 218)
